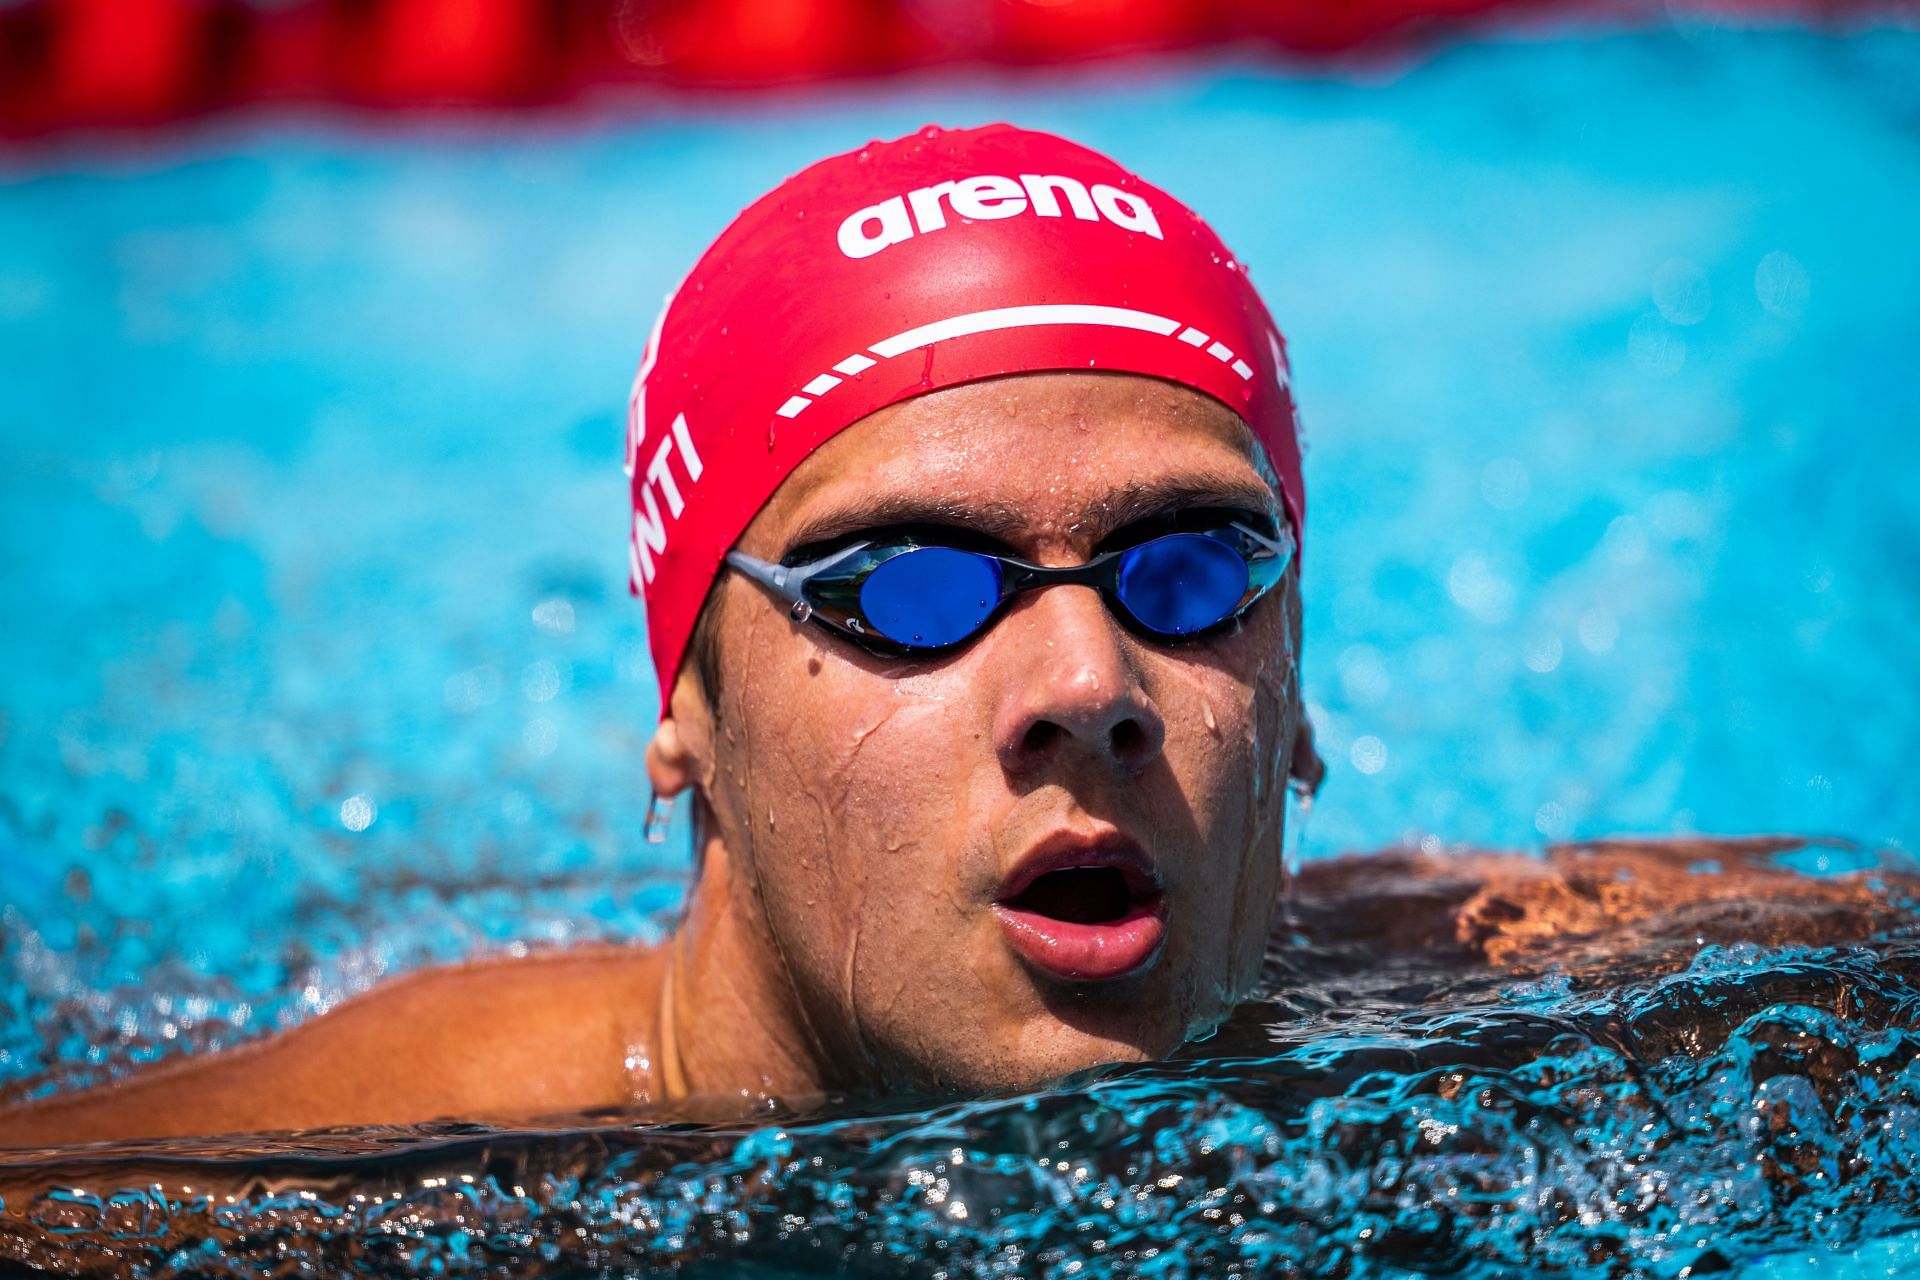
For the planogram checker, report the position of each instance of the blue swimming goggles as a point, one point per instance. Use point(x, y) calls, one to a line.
point(908, 593)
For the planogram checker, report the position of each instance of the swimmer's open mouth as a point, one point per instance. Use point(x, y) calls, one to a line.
point(1085, 909)
point(1080, 895)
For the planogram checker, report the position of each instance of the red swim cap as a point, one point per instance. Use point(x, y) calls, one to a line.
point(900, 268)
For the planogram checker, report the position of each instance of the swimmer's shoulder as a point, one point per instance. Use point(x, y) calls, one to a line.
point(493, 1038)
point(499, 1036)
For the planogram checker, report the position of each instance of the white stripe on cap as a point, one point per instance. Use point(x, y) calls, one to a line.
point(1023, 318)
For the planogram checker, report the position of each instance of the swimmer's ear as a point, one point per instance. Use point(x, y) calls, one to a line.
point(1307, 768)
point(674, 756)
point(669, 764)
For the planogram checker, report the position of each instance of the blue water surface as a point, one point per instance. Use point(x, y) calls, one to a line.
point(317, 658)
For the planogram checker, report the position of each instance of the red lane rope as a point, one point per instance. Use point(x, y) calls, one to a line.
point(87, 63)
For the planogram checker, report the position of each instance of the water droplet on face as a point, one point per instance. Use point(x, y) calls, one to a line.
point(800, 611)
point(1302, 791)
point(659, 815)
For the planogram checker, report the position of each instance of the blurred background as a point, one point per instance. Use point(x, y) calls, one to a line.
point(317, 319)
point(79, 62)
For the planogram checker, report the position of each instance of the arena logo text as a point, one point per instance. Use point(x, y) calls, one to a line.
point(988, 197)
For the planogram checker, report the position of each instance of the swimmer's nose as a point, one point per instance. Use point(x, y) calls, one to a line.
point(1070, 686)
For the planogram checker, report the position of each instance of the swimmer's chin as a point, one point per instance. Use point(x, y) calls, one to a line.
point(1047, 1054)
point(1075, 1029)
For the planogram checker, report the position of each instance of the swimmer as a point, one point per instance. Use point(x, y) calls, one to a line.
point(967, 509)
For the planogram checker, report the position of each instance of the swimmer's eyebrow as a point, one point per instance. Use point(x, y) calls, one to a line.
point(1138, 500)
point(999, 521)
point(1131, 502)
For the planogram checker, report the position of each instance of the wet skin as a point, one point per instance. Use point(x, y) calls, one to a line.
point(862, 815)
point(865, 813)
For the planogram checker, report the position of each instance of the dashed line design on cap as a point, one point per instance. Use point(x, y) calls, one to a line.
point(1010, 318)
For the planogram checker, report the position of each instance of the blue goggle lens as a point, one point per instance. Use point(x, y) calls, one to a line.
point(931, 597)
point(1182, 583)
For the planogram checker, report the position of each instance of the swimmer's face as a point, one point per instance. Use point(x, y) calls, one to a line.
point(879, 814)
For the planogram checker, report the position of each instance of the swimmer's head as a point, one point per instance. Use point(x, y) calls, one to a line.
point(955, 834)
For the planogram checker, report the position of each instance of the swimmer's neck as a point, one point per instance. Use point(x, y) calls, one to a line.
point(730, 1025)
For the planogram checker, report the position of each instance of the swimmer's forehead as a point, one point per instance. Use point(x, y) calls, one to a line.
point(925, 462)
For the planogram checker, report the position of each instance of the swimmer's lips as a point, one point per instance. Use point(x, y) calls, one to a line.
point(1131, 928)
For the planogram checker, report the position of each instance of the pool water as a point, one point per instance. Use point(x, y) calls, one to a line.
point(1691, 1103)
point(319, 663)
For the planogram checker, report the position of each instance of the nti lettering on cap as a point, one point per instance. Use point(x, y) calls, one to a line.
point(649, 526)
point(986, 198)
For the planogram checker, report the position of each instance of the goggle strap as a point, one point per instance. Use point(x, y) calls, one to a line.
point(789, 582)
point(1280, 546)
